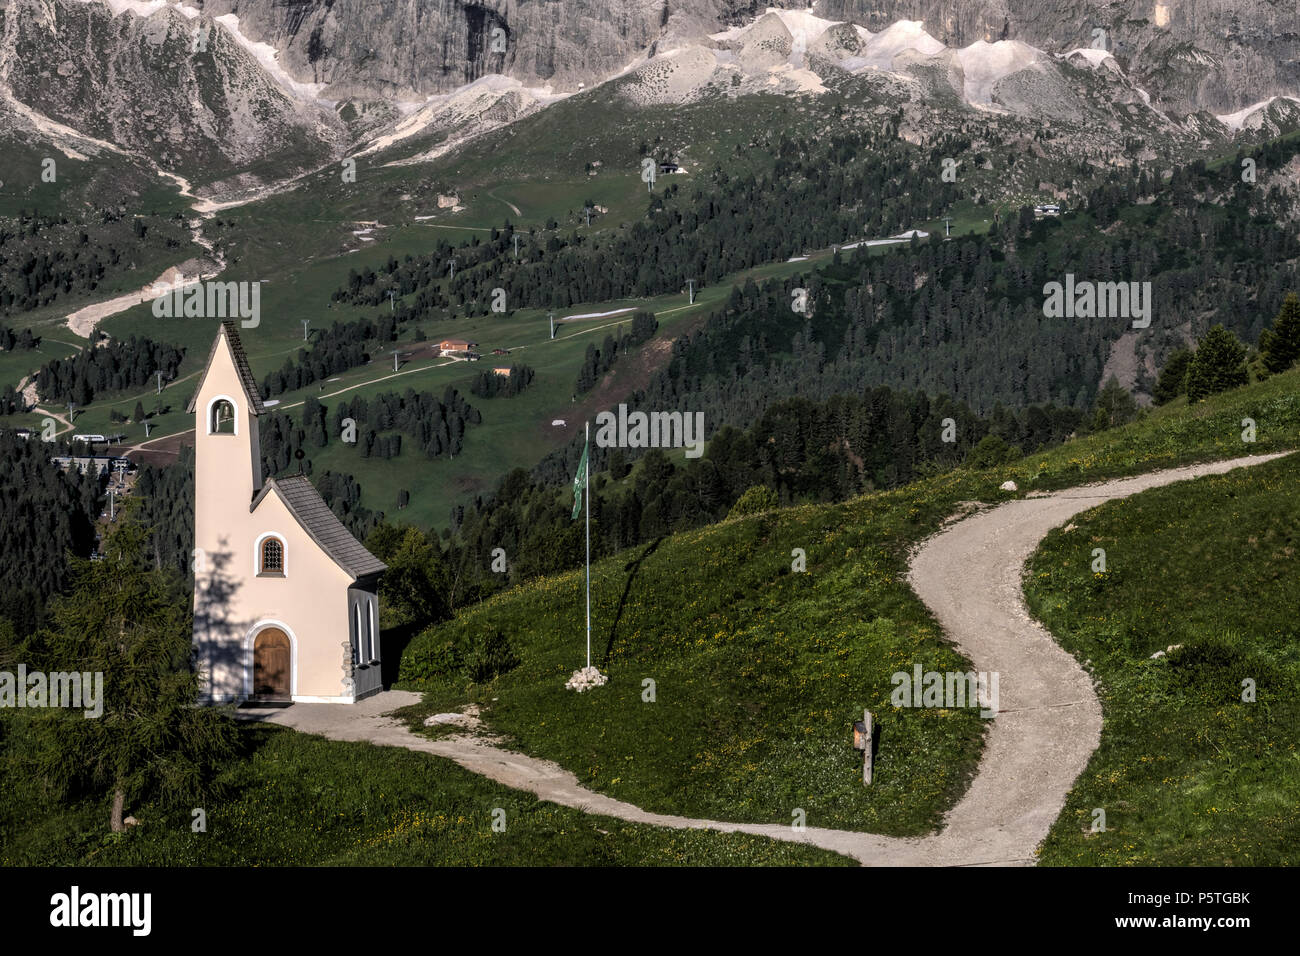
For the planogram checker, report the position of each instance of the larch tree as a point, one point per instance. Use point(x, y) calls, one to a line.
point(129, 623)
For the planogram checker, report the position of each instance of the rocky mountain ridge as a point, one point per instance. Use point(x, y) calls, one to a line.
point(139, 79)
point(275, 89)
point(1190, 55)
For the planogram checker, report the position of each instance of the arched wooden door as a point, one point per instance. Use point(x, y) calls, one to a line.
point(271, 665)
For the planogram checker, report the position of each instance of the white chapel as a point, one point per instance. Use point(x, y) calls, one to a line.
point(286, 602)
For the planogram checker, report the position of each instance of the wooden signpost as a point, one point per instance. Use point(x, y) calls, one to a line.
point(862, 741)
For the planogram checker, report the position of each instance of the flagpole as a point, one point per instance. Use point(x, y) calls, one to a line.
point(586, 481)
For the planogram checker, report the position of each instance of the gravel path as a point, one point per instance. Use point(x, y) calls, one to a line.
point(969, 574)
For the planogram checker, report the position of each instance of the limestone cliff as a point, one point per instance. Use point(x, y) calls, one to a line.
point(1218, 55)
point(140, 83)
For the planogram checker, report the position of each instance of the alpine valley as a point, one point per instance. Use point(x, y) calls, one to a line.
point(892, 262)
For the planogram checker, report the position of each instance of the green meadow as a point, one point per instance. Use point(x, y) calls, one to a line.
point(516, 432)
point(759, 669)
point(292, 799)
point(1199, 763)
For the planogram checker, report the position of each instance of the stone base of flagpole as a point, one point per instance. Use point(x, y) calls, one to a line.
point(585, 679)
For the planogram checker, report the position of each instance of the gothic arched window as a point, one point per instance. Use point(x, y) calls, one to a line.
point(370, 631)
point(359, 648)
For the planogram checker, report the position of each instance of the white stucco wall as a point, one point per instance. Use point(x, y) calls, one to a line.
point(232, 602)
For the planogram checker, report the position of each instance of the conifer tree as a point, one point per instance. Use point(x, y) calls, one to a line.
point(1173, 377)
point(1280, 345)
point(1218, 365)
point(1114, 406)
point(130, 624)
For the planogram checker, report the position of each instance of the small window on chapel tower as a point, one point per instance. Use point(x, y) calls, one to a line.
point(272, 556)
point(223, 418)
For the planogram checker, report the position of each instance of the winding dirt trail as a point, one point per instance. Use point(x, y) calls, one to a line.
point(513, 207)
point(57, 416)
point(969, 574)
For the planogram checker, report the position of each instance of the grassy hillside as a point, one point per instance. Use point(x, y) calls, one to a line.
point(1163, 437)
point(298, 800)
point(759, 670)
point(1188, 773)
point(1175, 434)
point(516, 432)
point(81, 185)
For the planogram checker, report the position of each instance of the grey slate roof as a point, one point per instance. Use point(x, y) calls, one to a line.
point(318, 521)
point(231, 331)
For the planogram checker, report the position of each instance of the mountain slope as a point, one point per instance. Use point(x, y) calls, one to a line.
point(207, 114)
point(283, 89)
point(1191, 54)
point(758, 667)
point(1191, 634)
point(1195, 54)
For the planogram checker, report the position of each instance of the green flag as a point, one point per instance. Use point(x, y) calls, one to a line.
point(579, 483)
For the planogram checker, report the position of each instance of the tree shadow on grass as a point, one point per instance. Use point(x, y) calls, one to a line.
point(632, 568)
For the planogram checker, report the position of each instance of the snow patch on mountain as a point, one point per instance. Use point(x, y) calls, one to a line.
point(269, 57)
point(145, 8)
point(1240, 119)
point(1094, 57)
